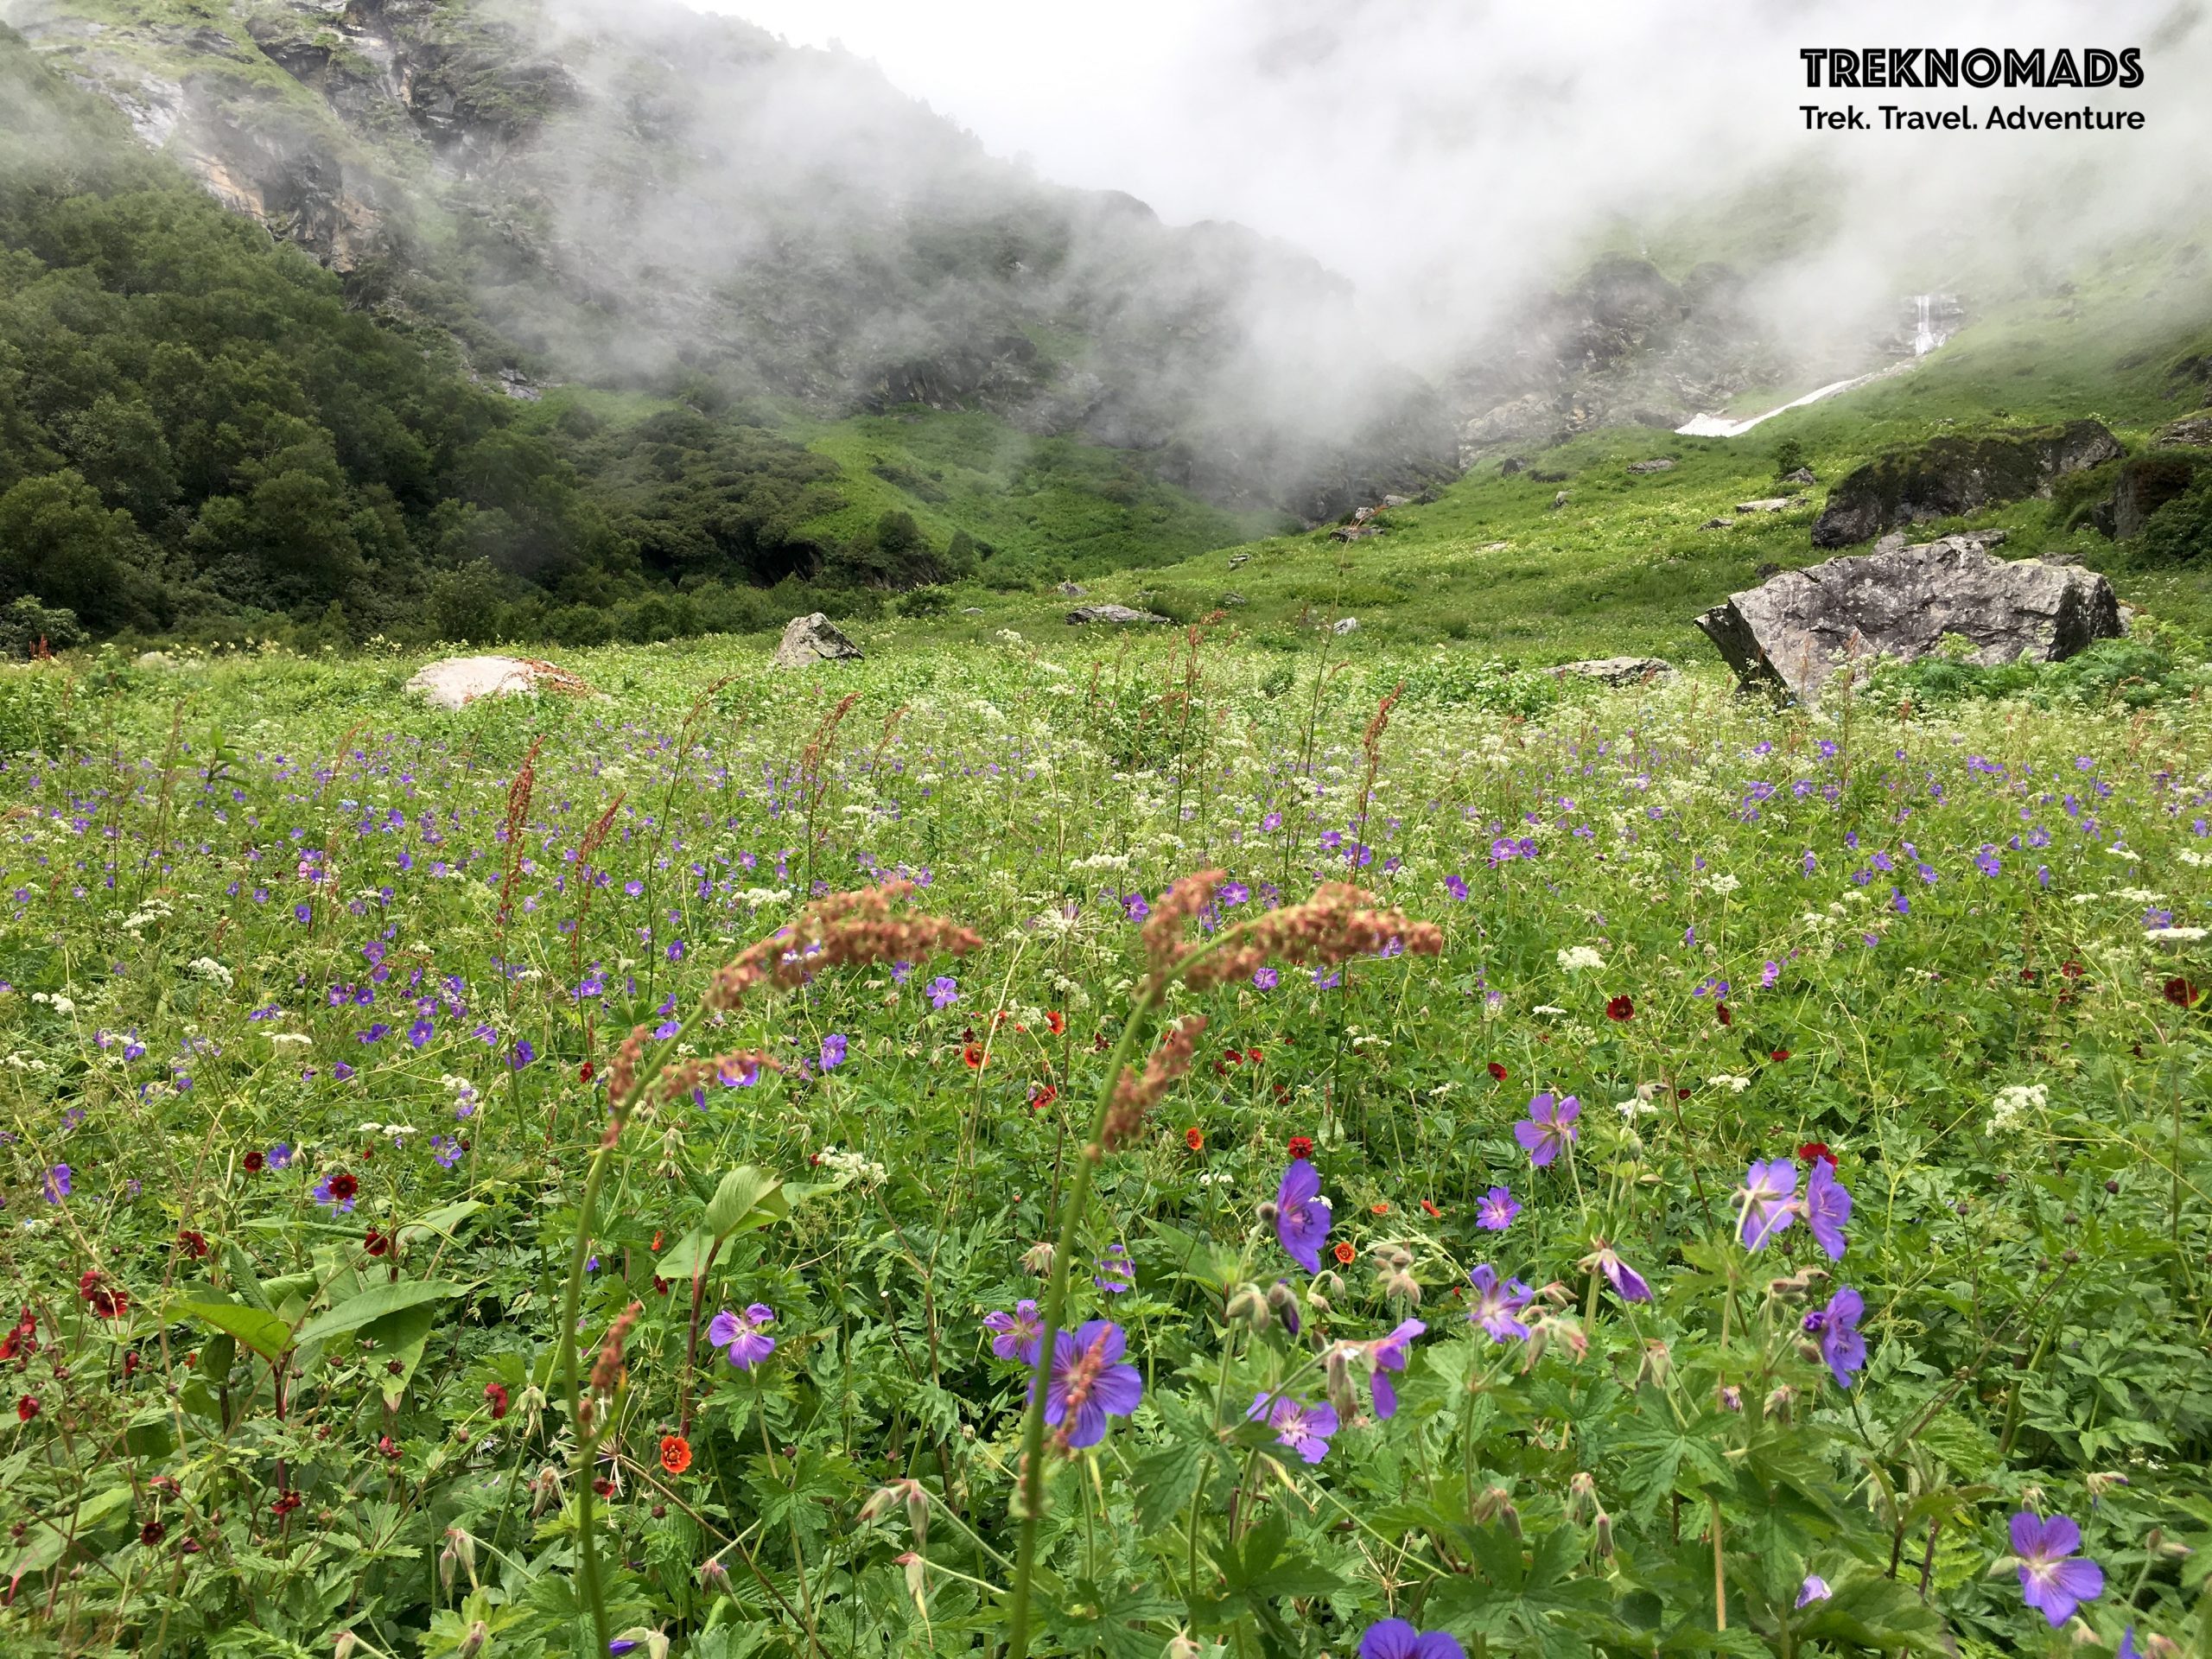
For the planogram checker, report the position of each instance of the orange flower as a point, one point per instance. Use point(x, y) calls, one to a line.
point(974, 1055)
point(1056, 1019)
point(1430, 1206)
point(1344, 1253)
point(1195, 1138)
point(675, 1453)
point(1380, 1208)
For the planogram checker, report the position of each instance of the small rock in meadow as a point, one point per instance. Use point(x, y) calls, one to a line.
point(1617, 671)
point(1767, 503)
point(1558, 500)
point(1345, 625)
point(812, 638)
point(1657, 464)
point(1114, 613)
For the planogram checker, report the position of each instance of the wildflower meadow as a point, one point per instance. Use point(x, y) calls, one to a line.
point(1190, 1150)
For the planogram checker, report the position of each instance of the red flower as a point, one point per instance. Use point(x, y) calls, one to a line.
point(1816, 1149)
point(1620, 1008)
point(1253, 1055)
point(343, 1186)
point(660, 1286)
point(1430, 1207)
point(973, 1053)
point(585, 1072)
point(2071, 969)
point(108, 1301)
point(386, 1445)
point(497, 1393)
point(2180, 993)
point(1044, 1097)
point(377, 1243)
point(655, 1245)
point(1721, 1011)
point(603, 1486)
point(1056, 1019)
point(1343, 1252)
point(1496, 1071)
point(27, 1408)
point(1098, 1044)
point(152, 1533)
point(254, 1163)
point(1302, 1146)
point(1195, 1138)
point(1379, 1207)
point(193, 1244)
point(285, 1503)
point(675, 1453)
point(1778, 1055)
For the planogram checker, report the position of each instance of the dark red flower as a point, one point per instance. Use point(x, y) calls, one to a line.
point(1233, 1056)
point(2180, 993)
point(1056, 1019)
point(1044, 1096)
point(1302, 1146)
point(1721, 1011)
point(1195, 1138)
point(386, 1445)
point(2072, 969)
point(1620, 1008)
point(254, 1163)
point(1098, 1044)
point(660, 1286)
point(285, 1503)
point(497, 1393)
point(586, 1071)
point(108, 1301)
point(192, 1243)
point(1778, 1055)
point(1496, 1071)
point(27, 1408)
point(343, 1186)
point(603, 1486)
point(377, 1243)
point(152, 1533)
point(1253, 1055)
point(1816, 1149)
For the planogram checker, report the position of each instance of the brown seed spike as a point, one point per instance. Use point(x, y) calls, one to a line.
point(1135, 1094)
point(1163, 929)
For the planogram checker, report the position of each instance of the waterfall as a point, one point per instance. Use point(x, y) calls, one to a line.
point(1924, 337)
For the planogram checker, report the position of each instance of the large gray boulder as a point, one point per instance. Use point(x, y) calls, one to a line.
point(456, 681)
point(2193, 430)
point(812, 638)
point(1949, 476)
point(1801, 628)
point(1084, 614)
point(1617, 671)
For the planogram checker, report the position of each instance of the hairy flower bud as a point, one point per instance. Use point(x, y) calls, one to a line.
point(1731, 1397)
point(1402, 1287)
point(1283, 1301)
point(2099, 1482)
point(1781, 1404)
point(1328, 1284)
point(1601, 1535)
point(1038, 1259)
point(1336, 1375)
point(1657, 1364)
point(479, 1638)
point(1248, 1305)
point(1267, 1212)
point(1179, 1646)
point(1581, 1494)
point(713, 1577)
point(343, 1644)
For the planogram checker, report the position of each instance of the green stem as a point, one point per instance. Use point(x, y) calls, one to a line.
point(586, 1553)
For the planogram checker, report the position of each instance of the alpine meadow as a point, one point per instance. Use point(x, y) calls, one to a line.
point(769, 891)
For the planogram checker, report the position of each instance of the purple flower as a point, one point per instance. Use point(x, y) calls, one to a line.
point(279, 1156)
point(1134, 907)
point(1265, 979)
point(1815, 1588)
point(1827, 1206)
point(2052, 1582)
point(1628, 1284)
point(1302, 1214)
point(1456, 887)
point(1499, 1304)
point(1016, 1335)
point(343, 1203)
point(57, 1183)
point(1770, 971)
point(944, 990)
point(446, 1149)
point(1389, 1354)
point(1769, 1201)
point(419, 1034)
point(1548, 1129)
point(1495, 1212)
point(524, 1053)
point(1089, 1382)
point(742, 1335)
point(1117, 1273)
point(1837, 1327)
point(1392, 1639)
point(1306, 1429)
point(833, 1050)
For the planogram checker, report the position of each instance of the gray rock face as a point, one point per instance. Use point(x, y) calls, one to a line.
point(1345, 625)
point(1659, 464)
point(1945, 477)
point(812, 638)
point(1072, 590)
point(2192, 430)
point(1558, 500)
point(456, 681)
point(1118, 614)
point(1618, 670)
point(1799, 629)
point(1799, 475)
point(1768, 504)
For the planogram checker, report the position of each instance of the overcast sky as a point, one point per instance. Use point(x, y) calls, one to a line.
point(1418, 145)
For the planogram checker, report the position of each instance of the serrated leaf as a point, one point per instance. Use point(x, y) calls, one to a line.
point(257, 1328)
point(374, 1304)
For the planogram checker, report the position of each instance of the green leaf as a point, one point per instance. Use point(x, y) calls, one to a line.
point(399, 1336)
point(373, 1304)
point(44, 1544)
point(257, 1328)
point(440, 1223)
point(747, 1199)
point(686, 1257)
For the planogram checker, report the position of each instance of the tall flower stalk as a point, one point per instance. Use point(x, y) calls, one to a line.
point(1337, 923)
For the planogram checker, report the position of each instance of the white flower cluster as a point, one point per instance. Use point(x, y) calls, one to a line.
point(2014, 1101)
point(852, 1166)
point(208, 969)
point(1578, 957)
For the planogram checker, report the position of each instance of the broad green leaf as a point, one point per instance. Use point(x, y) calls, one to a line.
point(43, 1545)
point(684, 1258)
point(745, 1199)
point(440, 1223)
point(373, 1304)
point(257, 1328)
point(399, 1336)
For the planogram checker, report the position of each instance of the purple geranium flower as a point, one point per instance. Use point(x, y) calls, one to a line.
point(833, 1050)
point(1499, 1304)
point(279, 1155)
point(1302, 1214)
point(1827, 1206)
point(1837, 1327)
point(1306, 1429)
point(1815, 1588)
point(2053, 1581)
point(1628, 1284)
point(1495, 1212)
point(743, 1335)
point(1089, 1383)
point(58, 1183)
point(1016, 1335)
point(944, 990)
point(1769, 1202)
point(1117, 1273)
point(1548, 1127)
point(1392, 1639)
point(1389, 1354)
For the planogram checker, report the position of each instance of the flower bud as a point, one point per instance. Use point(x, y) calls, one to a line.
point(479, 1638)
point(1601, 1536)
point(916, 1571)
point(343, 1644)
point(1179, 1646)
point(2161, 1647)
point(1491, 1503)
point(1781, 1404)
point(1268, 1213)
point(1581, 1494)
point(1328, 1284)
point(448, 1562)
point(1284, 1301)
point(1248, 1306)
point(917, 1513)
point(1038, 1259)
point(1336, 1379)
point(713, 1578)
point(2099, 1482)
point(1657, 1365)
point(1402, 1287)
point(1316, 1302)
point(1732, 1398)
